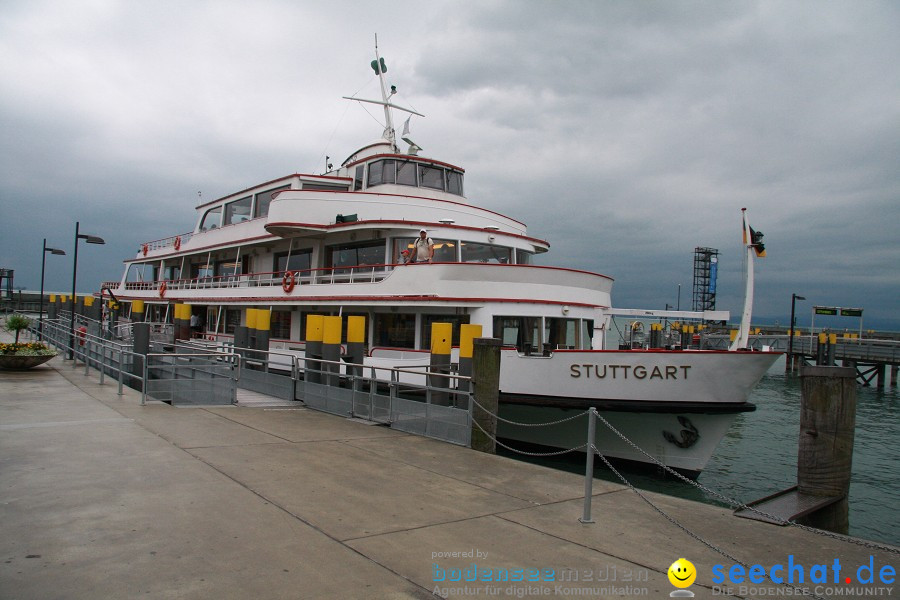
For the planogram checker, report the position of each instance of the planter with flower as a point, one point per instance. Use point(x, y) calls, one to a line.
point(26, 355)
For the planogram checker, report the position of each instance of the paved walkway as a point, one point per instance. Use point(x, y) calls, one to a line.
point(103, 498)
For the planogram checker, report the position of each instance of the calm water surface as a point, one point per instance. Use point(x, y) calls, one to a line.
point(759, 456)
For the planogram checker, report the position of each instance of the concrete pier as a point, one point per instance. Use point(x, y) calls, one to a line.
point(101, 497)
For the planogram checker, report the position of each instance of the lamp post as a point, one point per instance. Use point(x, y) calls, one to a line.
point(90, 239)
point(43, 264)
point(790, 356)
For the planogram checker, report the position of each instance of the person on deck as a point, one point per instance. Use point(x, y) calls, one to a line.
point(424, 247)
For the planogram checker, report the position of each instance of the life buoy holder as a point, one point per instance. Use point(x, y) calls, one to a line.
point(178, 242)
point(288, 281)
point(162, 289)
point(144, 249)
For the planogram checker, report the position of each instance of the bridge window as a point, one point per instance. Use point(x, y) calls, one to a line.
point(455, 183)
point(212, 219)
point(406, 173)
point(238, 211)
point(413, 174)
point(431, 177)
point(381, 172)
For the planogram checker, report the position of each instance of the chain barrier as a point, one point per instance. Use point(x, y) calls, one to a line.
point(499, 443)
point(737, 504)
point(499, 418)
point(674, 522)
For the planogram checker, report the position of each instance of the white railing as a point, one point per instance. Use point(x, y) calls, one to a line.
point(356, 274)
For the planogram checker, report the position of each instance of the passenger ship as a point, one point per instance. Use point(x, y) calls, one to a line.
point(333, 243)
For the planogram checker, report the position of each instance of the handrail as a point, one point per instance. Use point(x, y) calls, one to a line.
point(273, 278)
point(166, 241)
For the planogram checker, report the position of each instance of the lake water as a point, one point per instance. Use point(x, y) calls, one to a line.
point(758, 456)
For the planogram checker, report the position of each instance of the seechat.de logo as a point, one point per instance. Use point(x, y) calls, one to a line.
point(682, 574)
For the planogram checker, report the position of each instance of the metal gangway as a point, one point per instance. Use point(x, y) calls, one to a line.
point(201, 372)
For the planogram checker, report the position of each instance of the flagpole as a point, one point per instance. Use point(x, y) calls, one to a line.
point(743, 336)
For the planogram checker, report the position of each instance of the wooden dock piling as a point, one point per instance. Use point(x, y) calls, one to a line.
point(486, 383)
point(825, 454)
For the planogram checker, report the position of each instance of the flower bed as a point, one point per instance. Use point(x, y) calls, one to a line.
point(26, 349)
point(24, 356)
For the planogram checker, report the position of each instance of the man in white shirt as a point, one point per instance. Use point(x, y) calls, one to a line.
point(424, 247)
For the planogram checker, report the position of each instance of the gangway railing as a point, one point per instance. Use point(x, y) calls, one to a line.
point(179, 378)
point(190, 372)
point(440, 406)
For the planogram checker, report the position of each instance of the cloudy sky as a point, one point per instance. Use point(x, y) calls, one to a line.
point(625, 133)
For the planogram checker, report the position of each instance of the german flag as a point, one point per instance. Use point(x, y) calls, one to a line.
point(755, 238)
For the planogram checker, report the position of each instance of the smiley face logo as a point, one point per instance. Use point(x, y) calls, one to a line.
point(682, 573)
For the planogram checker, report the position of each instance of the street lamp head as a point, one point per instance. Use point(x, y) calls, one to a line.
point(799, 297)
point(91, 239)
point(55, 251)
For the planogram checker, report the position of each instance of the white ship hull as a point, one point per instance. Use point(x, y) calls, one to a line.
point(676, 406)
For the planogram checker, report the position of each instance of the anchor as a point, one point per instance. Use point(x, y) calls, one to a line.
point(689, 435)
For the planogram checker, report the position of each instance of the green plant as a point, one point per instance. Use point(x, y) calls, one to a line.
point(16, 323)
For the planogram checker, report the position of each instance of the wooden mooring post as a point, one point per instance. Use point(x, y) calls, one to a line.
point(825, 454)
point(486, 387)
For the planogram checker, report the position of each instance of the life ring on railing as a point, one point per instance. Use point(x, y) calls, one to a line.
point(162, 289)
point(288, 282)
point(144, 249)
point(178, 242)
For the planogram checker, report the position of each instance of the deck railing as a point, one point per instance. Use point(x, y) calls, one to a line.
point(331, 275)
point(181, 238)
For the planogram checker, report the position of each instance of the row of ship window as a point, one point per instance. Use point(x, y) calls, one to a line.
point(380, 172)
point(398, 330)
point(341, 256)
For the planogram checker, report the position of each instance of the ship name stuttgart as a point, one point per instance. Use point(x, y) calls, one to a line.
point(596, 371)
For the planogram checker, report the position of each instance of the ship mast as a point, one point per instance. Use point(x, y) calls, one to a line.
point(380, 68)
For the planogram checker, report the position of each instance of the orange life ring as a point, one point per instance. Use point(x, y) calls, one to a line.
point(288, 281)
point(162, 289)
point(144, 249)
point(178, 242)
